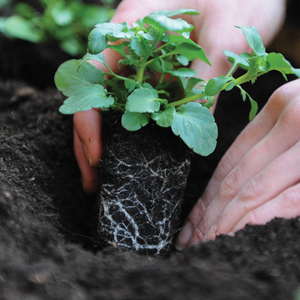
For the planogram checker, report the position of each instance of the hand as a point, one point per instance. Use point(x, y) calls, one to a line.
point(258, 178)
point(214, 31)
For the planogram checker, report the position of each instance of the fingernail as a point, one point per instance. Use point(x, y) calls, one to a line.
point(231, 233)
point(87, 155)
point(184, 237)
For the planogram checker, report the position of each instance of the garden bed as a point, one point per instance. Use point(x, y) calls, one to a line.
point(48, 240)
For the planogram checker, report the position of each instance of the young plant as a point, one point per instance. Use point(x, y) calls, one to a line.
point(66, 23)
point(161, 87)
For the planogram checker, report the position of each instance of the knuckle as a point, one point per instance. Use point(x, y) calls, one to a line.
point(252, 189)
point(283, 95)
point(226, 164)
point(229, 186)
point(290, 199)
point(291, 114)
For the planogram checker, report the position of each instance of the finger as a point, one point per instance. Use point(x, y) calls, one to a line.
point(259, 160)
point(256, 137)
point(286, 205)
point(280, 175)
point(88, 147)
point(87, 125)
point(88, 173)
point(252, 135)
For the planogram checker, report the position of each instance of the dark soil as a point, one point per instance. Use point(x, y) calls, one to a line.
point(143, 176)
point(48, 240)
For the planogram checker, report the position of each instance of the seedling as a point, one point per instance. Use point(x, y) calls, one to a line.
point(158, 50)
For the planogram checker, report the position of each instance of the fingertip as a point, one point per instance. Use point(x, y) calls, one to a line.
point(90, 182)
point(184, 237)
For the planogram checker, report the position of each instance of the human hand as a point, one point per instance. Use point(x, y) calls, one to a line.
point(258, 177)
point(214, 31)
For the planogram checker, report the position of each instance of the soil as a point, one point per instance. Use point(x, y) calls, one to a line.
point(143, 176)
point(48, 240)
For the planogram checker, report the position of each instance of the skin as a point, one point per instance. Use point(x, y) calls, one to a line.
point(257, 179)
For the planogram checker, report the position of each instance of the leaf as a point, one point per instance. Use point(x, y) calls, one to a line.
point(236, 60)
point(191, 52)
point(164, 118)
point(97, 41)
point(276, 61)
point(86, 98)
point(150, 34)
point(191, 84)
point(231, 85)
point(99, 36)
point(143, 100)
point(172, 13)
point(130, 85)
point(183, 60)
point(140, 46)
point(70, 77)
point(215, 85)
point(133, 121)
point(253, 39)
point(61, 14)
point(160, 65)
point(162, 21)
point(183, 72)
point(197, 128)
point(254, 108)
point(119, 47)
point(21, 28)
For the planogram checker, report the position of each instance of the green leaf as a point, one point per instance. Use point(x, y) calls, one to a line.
point(197, 128)
point(119, 48)
point(86, 98)
point(103, 32)
point(191, 52)
point(231, 85)
point(61, 14)
point(150, 34)
point(160, 65)
point(215, 85)
point(97, 57)
point(183, 60)
point(253, 39)
point(172, 13)
point(133, 121)
point(140, 46)
point(97, 41)
point(296, 72)
point(276, 61)
point(130, 85)
point(254, 108)
point(164, 118)
point(254, 66)
point(183, 72)
point(191, 84)
point(24, 10)
point(143, 100)
point(236, 60)
point(162, 21)
point(21, 28)
point(71, 76)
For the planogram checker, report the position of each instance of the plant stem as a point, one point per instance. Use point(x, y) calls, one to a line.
point(188, 99)
point(140, 74)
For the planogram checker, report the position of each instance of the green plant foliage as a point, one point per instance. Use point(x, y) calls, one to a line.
point(66, 23)
point(161, 87)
